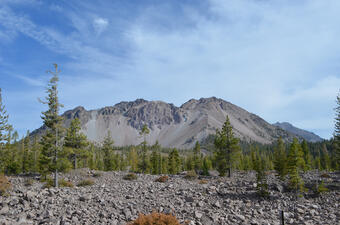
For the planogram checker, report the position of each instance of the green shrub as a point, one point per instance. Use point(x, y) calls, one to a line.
point(87, 182)
point(162, 179)
point(5, 185)
point(321, 188)
point(130, 176)
point(191, 175)
point(49, 182)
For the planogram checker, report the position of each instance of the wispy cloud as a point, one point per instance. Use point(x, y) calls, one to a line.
point(100, 24)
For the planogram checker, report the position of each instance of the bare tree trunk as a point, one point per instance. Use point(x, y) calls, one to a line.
point(56, 160)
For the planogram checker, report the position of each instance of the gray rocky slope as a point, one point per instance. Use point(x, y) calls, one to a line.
point(172, 126)
point(307, 135)
point(112, 200)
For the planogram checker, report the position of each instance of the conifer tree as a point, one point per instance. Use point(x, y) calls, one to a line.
point(197, 157)
point(227, 148)
point(4, 126)
point(325, 160)
point(26, 160)
point(207, 165)
point(306, 155)
point(76, 141)
point(107, 149)
point(155, 159)
point(133, 160)
point(4, 133)
point(144, 165)
point(51, 139)
point(337, 132)
point(261, 177)
point(174, 162)
point(295, 158)
point(280, 159)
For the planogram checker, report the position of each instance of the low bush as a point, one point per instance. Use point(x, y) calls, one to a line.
point(49, 182)
point(29, 182)
point(155, 219)
point(87, 182)
point(162, 179)
point(97, 174)
point(5, 185)
point(191, 175)
point(65, 183)
point(321, 188)
point(130, 176)
point(325, 175)
point(203, 182)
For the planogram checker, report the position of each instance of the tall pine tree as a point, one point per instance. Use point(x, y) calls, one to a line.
point(280, 159)
point(295, 160)
point(227, 148)
point(51, 139)
point(4, 133)
point(337, 132)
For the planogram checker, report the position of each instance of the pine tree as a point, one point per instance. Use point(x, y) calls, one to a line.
point(227, 148)
point(306, 155)
point(107, 149)
point(197, 157)
point(26, 160)
point(51, 139)
point(76, 141)
point(174, 162)
point(207, 165)
point(325, 160)
point(337, 132)
point(295, 158)
point(261, 177)
point(280, 159)
point(155, 159)
point(4, 133)
point(144, 165)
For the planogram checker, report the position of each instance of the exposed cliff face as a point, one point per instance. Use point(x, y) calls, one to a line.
point(172, 126)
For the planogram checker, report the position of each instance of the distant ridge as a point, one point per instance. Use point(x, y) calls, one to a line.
point(307, 135)
point(172, 126)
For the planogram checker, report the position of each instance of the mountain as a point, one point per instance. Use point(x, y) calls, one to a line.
point(172, 126)
point(307, 135)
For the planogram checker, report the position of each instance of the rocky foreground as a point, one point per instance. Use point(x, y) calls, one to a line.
point(113, 200)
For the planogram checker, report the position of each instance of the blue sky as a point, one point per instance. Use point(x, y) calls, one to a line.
point(278, 59)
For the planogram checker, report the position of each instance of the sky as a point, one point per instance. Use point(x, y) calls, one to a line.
point(278, 59)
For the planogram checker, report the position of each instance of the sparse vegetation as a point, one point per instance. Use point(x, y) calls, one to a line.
point(5, 185)
point(162, 179)
point(321, 188)
point(65, 183)
point(155, 219)
point(86, 182)
point(130, 176)
point(191, 175)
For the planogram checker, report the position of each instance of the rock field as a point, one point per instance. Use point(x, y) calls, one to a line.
point(113, 200)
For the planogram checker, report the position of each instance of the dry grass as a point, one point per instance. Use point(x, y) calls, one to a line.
point(325, 175)
point(87, 182)
point(65, 183)
point(155, 219)
point(5, 185)
point(162, 179)
point(203, 182)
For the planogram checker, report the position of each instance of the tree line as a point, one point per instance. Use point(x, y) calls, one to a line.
point(60, 149)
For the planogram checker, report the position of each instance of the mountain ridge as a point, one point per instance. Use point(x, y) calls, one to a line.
point(170, 125)
point(307, 135)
